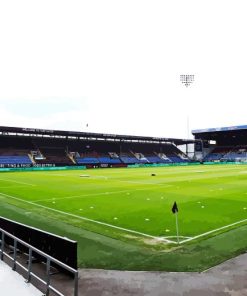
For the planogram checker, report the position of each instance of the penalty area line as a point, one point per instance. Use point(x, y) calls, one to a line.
point(212, 231)
point(87, 219)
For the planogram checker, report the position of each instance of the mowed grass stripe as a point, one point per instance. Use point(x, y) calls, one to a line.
point(222, 207)
point(18, 182)
point(165, 239)
point(93, 194)
point(87, 219)
point(216, 209)
point(212, 231)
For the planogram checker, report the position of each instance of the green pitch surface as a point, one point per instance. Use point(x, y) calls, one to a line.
point(130, 206)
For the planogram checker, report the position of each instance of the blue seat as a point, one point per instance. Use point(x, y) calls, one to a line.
point(87, 160)
point(23, 159)
point(109, 160)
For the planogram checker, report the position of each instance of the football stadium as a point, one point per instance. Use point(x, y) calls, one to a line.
point(120, 202)
point(123, 148)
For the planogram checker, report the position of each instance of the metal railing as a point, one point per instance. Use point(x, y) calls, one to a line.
point(49, 260)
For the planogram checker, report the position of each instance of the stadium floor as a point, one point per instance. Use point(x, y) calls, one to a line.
point(229, 278)
point(226, 279)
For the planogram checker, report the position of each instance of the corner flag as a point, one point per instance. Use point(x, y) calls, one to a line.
point(175, 211)
point(174, 208)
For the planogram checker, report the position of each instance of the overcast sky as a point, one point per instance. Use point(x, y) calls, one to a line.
point(116, 65)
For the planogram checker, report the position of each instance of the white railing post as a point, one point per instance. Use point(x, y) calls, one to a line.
point(29, 265)
point(15, 252)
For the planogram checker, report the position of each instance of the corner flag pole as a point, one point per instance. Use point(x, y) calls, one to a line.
point(175, 211)
point(177, 226)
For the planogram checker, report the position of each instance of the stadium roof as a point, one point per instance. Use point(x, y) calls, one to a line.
point(220, 129)
point(19, 131)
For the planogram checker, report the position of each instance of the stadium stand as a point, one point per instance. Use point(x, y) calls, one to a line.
point(217, 153)
point(227, 154)
point(225, 144)
point(14, 156)
point(152, 158)
point(128, 158)
point(140, 156)
point(35, 147)
point(87, 160)
point(15, 160)
point(108, 159)
point(52, 152)
point(164, 158)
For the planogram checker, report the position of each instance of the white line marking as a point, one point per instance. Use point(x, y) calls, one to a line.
point(11, 186)
point(212, 231)
point(87, 195)
point(18, 182)
point(87, 219)
point(83, 195)
point(174, 236)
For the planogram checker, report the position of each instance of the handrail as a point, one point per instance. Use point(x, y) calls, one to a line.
point(49, 260)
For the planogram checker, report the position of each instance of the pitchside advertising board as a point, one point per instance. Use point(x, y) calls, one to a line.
point(61, 248)
point(26, 165)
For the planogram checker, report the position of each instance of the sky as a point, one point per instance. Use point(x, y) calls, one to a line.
point(115, 65)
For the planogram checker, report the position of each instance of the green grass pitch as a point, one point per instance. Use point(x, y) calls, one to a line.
point(128, 211)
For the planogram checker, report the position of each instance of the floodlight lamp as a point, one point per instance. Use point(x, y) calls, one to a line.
point(187, 79)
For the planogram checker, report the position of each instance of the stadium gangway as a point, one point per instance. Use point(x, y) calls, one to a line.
point(30, 274)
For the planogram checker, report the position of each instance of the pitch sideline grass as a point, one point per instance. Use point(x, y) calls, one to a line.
point(215, 177)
